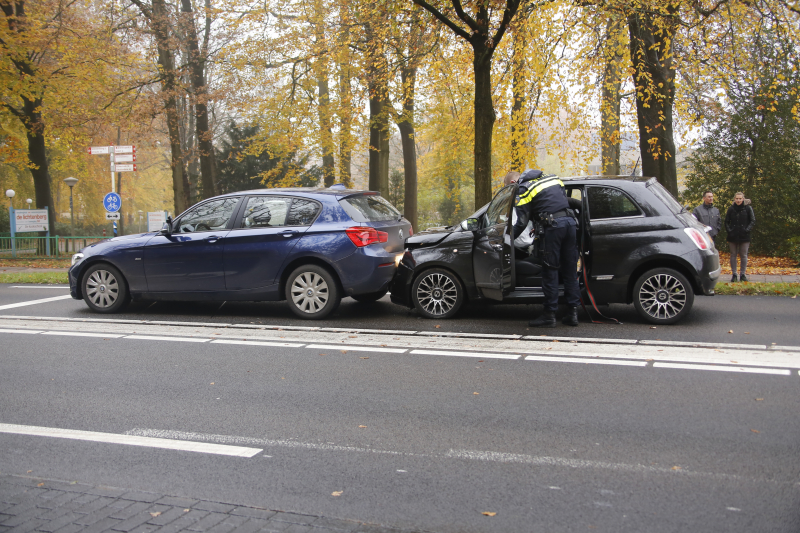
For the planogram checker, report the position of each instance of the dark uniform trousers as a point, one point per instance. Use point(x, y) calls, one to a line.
point(560, 257)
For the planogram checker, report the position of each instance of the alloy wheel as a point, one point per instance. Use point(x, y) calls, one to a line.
point(310, 292)
point(102, 288)
point(662, 296)
point(437, 294)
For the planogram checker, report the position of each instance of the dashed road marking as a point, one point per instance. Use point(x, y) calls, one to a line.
point(468, 354)
point(39, 287)
point(587, 360)
point(720, 368)
point(34, 302)
point(257, 343)
point(356, 348)
point(159, 338)
point(130, 440)
point(83, 334)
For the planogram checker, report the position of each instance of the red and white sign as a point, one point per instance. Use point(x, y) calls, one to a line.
point(124, 158)
point(129, 149)
point(126, 167)
point(97, 150)
point(31, 220)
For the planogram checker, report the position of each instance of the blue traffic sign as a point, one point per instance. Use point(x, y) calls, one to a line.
point(112, 202)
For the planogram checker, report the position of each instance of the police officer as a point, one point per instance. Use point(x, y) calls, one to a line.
point(544, 200)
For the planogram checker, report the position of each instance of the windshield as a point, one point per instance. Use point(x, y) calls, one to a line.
point(664, 195)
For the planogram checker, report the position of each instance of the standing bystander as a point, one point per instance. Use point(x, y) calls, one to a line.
point(708, 215)
point(739, 221)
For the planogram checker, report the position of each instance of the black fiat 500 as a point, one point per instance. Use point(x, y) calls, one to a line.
point(637, 245)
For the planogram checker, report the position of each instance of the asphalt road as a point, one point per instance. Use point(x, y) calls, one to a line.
point(401, 438)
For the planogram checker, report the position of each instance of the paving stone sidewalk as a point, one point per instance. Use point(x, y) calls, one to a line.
point(33, 504)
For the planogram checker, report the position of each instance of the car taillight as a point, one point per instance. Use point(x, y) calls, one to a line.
point(364, 236)
point(697, 237)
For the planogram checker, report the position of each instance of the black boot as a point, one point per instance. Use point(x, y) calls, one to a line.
point(547, 320)
point(571, 318)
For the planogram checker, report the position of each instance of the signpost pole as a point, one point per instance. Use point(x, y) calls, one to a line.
point(47, 237)
point(13, 220)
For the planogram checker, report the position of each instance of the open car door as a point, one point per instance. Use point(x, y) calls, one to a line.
point(493, 253)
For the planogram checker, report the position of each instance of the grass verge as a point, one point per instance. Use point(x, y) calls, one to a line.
point(41, 278)
point(752, 289)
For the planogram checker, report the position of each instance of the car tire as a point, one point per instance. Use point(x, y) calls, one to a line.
point(104, 289)
point(370, 297)
point(437, 293)
point(663, 296)
point(312, 292)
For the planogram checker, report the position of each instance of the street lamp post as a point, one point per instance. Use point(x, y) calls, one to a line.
point(71, 182)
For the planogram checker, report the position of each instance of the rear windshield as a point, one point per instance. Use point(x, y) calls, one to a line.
point(664, 195)
point(369, 208)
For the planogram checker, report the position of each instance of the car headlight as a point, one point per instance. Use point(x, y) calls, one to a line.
point(76, 257)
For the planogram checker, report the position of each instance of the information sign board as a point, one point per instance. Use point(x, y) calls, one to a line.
point(31, 220)
point(124, 158)
point(98, 150)
point(124, 149)
point(112, 202)
point(124, 167)
point(155, 220)
point(112, 216)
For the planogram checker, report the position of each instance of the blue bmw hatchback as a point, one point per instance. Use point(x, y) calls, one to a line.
point(310, 247)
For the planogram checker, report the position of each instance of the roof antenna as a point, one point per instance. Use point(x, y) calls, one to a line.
point(633, 172)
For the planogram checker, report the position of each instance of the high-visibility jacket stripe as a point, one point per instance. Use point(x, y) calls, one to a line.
point(528, 195)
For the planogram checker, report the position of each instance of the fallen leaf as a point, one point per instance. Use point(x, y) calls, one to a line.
point(364, 357)
point(747, 333)
point(362, 426)
point(353, 336)
point(40, 484)
point(438, 326)
point(476, 393)
point(652, 327)
point(648, 359)
point(737, 362)
point(186, 510)
point(211, 383)
point(676, 468)
point(481, 361)
point(29, 471)
point(759, 399)
point(555, 340)
point(343, 351)
point(157, 513)
point(488, 513)
point(337, 493)
point(755, 431)
point(730, 331)
point(320, 354)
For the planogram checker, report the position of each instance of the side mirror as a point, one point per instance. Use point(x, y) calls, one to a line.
point(472, 224)
point(166, 228)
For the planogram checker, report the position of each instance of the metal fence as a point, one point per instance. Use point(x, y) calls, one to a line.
point(57, 246)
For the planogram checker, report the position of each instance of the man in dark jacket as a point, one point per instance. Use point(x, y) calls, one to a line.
point(708, 215)
point(544, 200)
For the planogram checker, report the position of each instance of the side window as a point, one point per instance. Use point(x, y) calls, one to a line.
point(574, 193)
point(605, 202)
point(265, 212)
point(302, 212)
point(497, 213)
point(209, 216)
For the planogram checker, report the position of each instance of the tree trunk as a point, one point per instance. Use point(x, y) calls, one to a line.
point(484, 123)
point(378, 115)
point(169, 88)
point(407, 137)
point(654, 79)
point(519, 131)
point(324, 103)
point(37, 154)
point(345, 107)
point(611, 97)
point(197, 71)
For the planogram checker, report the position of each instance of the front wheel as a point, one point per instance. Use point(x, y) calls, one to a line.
point(437, 293)
point(663, 296)
point(104, 289)
point(312, 292)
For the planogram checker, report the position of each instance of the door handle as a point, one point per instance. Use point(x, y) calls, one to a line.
point(212, 239)
point(288, 233)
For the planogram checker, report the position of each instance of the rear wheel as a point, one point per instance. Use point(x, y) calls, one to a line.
point(370, 297)
point(312, 292)
point(437, 293)
point(663, 296)
point(104, 289)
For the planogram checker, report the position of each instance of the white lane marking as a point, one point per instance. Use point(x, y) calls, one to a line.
point(82, 334)
point(33, 302)
point(468, 354)
point(468, 335)
point(39, 287)
point(547, 338)
point(704, 345)
point(159, 338)
point(258, 343)
point(348, 348)
point(587, 360)
point(747, 370)
point(28, 331)
point(112, 438)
